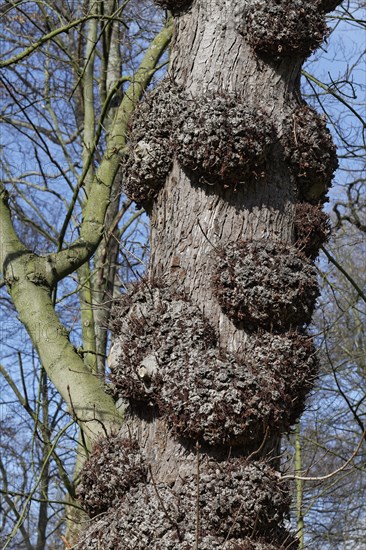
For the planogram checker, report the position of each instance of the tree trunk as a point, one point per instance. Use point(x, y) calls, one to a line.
point(210, 350)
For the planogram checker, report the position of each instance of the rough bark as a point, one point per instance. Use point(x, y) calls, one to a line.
point(194, 216)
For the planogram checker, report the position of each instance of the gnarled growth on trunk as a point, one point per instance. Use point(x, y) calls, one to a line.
point(213, 363)
point(312, 228)
point(114, 466)
point(265, 285)
point(237, 499)
point(311, 153)
point(281, 27)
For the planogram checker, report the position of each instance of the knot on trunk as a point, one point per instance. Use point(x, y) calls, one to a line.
point(235, 500)
point(263, 284)
point(217, 138)
point(220, 399)
point(167, 357)
point(311, 153)
point(114, 466)
point(174, 5)
point(153, 326)
point(150, 154)
point(238, 498)
point(312, 228)
point(220, 138)
point(282, 27)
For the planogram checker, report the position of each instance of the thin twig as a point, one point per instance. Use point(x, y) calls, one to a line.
point(344, 272)
point(332, 474)
point(254, 453)
point(206, 237)
point(173, 523)
point(236, 517)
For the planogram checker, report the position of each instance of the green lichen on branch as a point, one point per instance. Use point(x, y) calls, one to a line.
point(83, 392)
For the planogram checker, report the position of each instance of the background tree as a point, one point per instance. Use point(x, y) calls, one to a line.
point(57, 109)
point(333, 425)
